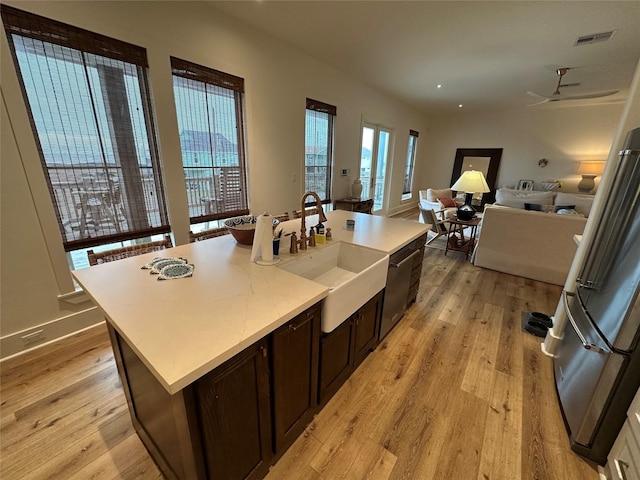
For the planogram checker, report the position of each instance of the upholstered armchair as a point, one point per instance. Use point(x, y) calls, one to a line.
point(437, 200)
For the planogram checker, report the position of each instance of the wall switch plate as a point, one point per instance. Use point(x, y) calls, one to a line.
point(344, 172)
point(294, 177)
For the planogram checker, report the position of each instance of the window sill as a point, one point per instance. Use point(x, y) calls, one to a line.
point(75, 298)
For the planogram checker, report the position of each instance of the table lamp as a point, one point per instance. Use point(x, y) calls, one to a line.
point(589, 171)
point(470, 182)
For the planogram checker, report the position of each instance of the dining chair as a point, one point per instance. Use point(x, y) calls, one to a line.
point(97, 258)
point(205, 234)
point(308, 211)
point(283, 217)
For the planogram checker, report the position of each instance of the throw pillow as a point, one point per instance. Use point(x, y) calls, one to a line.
point(533, 206)
point(563, 207)
point(433, 194)
point(517, 198)
point(448, 202)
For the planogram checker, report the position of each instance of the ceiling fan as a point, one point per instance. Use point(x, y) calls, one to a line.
point(557, 96)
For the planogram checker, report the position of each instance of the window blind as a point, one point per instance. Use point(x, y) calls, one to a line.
point(88, 101)
point(318, 163)
point(410, 163)
point(209, 105)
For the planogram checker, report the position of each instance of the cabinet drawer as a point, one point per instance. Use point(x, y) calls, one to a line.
point(415, 276)
point(624, 456)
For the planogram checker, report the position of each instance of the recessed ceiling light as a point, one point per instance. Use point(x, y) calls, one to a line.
point(438, 86)
point(460, 106)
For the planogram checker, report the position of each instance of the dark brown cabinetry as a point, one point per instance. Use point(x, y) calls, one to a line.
point(343, 349)
point(416, 270)
point(235, 421)
point(234, 416)
point(294, 360)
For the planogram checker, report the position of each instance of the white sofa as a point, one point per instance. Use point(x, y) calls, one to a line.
point(529, 244)
point(537, 200)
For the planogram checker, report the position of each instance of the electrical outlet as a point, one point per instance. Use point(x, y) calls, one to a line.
point(294, 177)
point(344, 172)
point(33, 337)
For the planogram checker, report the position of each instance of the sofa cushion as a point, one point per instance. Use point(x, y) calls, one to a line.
point(517, 198)
point(581, 201)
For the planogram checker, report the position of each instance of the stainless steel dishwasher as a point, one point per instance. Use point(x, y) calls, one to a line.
point(397, 289)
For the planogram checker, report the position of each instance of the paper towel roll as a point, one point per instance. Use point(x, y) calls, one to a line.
point(263, 239)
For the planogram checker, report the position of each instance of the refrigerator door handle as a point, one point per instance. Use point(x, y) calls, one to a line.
point(586, 344)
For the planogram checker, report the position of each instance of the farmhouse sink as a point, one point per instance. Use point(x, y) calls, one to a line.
point(353, 274)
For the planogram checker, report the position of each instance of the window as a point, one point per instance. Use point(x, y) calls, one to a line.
point(410, 164)
point(209, 105)
point(318, 146)
point(88, 101)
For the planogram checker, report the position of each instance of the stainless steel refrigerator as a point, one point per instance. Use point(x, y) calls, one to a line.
point(597, 365)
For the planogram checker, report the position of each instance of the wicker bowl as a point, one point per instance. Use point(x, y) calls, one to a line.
point(243, 228)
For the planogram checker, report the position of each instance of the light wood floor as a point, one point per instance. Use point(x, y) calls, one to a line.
point(456, 391)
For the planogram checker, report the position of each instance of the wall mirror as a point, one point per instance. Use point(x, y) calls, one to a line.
point(486, 160)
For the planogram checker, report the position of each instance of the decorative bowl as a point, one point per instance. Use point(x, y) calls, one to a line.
point(243, 228)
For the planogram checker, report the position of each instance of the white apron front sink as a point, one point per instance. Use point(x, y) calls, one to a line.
point(353, 274)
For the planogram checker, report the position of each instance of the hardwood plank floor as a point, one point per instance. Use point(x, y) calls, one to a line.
point(456, 391)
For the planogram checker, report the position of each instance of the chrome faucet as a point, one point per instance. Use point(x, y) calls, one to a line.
point(303, 227)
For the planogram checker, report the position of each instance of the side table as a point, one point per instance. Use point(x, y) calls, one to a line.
point(354, 205)
point(456, 240)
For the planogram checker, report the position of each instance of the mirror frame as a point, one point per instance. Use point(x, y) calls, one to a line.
point(494, 154)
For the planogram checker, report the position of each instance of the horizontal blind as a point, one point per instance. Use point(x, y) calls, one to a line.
point(410, 163)
point(209, 105)
point(25, 24)
point(89, 106)
point(318, 162)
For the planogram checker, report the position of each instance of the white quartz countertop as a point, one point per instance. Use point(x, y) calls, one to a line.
point(184, 328)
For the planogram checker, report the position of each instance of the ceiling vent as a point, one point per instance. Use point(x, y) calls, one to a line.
point(595, 37)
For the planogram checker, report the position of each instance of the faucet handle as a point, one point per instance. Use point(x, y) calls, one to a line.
point(312, 238)
point(293, 249)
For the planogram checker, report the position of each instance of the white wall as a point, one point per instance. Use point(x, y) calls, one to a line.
point(277, 80)
point(563, 134)
point(34, 278)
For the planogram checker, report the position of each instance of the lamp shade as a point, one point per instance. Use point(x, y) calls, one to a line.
point(471, 181)
point(591, 168)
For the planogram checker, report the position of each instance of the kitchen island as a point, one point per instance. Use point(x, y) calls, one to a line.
point(234, 327)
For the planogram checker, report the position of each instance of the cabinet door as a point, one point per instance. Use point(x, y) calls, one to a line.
point(294, 355)
point(624, 458)
point(336, 359)
point(367, 325)
point(234, 413)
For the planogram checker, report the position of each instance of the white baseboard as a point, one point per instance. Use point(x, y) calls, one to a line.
point(35, 337)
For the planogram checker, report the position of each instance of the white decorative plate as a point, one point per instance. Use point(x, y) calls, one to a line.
point(176, 270)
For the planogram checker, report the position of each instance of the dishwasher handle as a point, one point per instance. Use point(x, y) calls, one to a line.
point(399, 264)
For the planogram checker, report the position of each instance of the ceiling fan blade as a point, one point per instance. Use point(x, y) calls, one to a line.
point(537, 95)
point(585, 96)
point(545, 100)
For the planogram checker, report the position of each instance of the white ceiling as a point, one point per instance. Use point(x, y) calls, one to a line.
point(486, 55)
